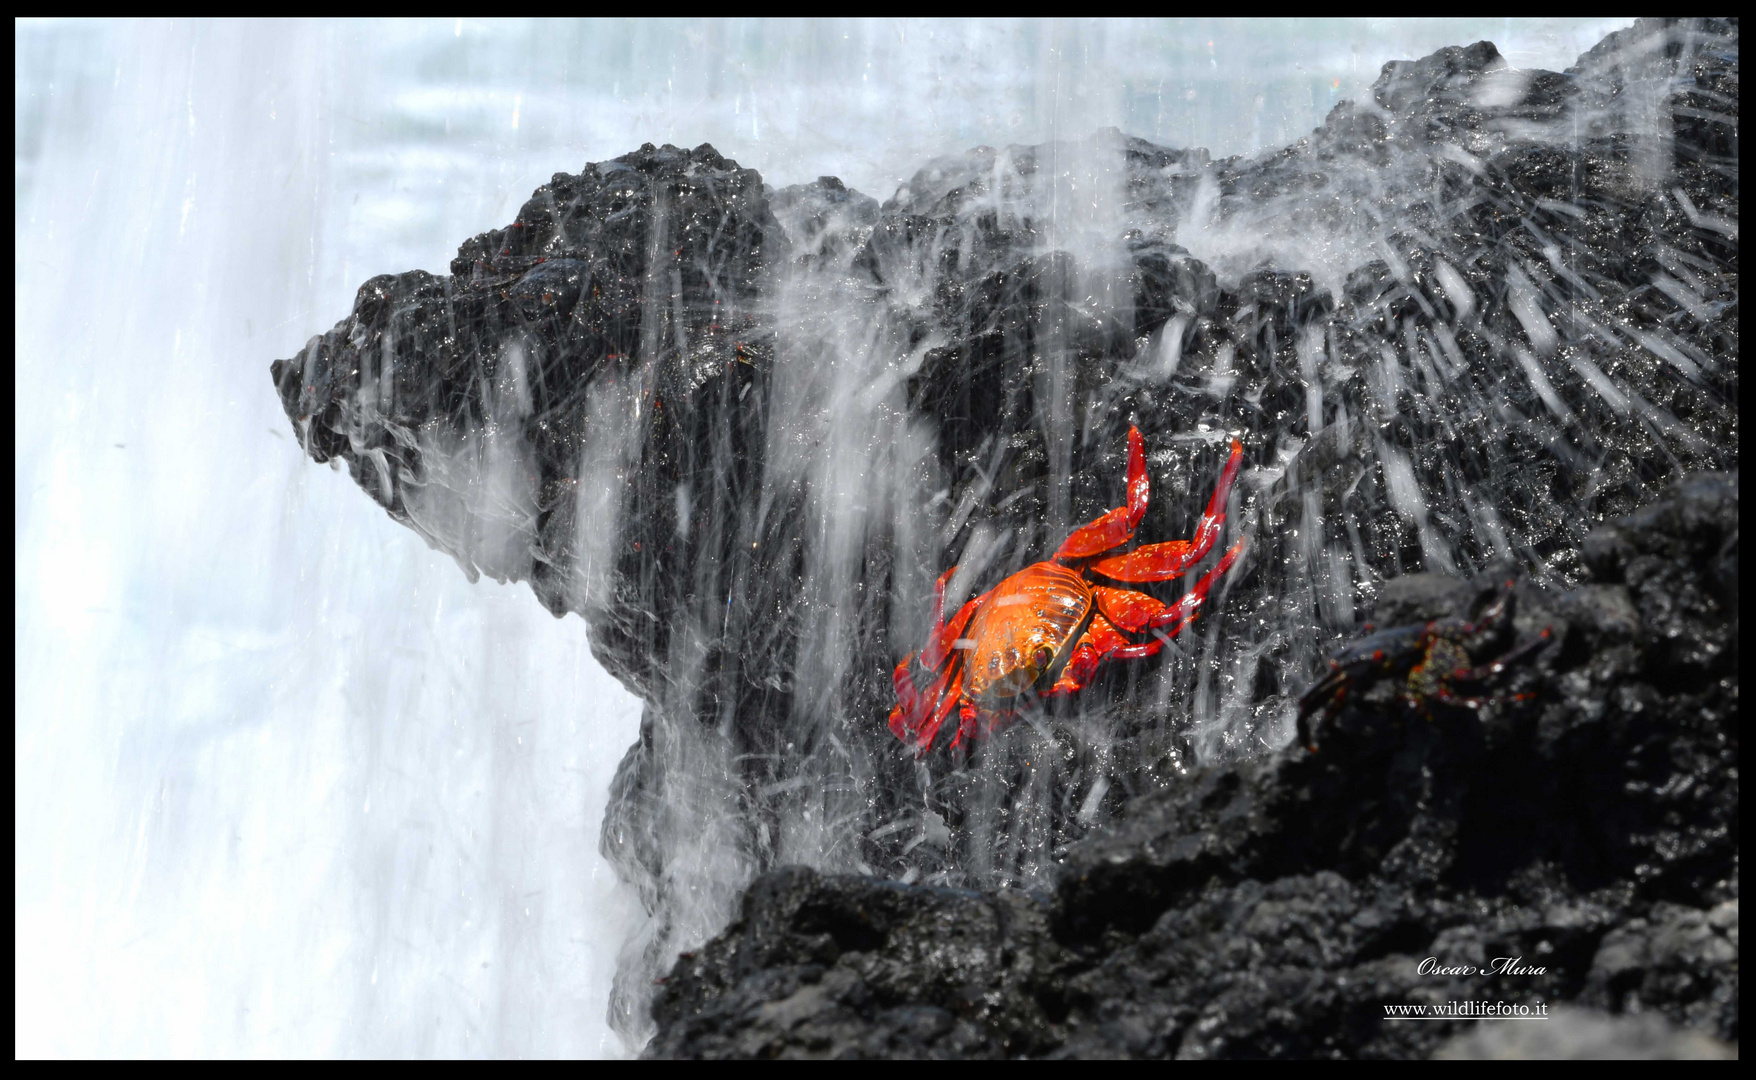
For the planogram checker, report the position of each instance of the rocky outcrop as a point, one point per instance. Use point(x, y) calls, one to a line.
point(612, 327)
point(1581, 847)
point(741, 431)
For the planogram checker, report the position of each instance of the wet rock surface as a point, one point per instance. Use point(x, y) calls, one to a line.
point(1582, 1035)
point(742, 430)
point(473, 407)
point(1578, 847)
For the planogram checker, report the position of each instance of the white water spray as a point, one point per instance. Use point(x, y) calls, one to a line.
point(286, 783)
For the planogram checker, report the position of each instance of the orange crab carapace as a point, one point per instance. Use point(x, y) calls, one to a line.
point(1042, 632)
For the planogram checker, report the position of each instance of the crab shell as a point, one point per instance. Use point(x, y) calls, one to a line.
point(1027, 627)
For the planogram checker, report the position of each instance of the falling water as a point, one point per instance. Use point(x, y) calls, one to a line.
point(284, 767)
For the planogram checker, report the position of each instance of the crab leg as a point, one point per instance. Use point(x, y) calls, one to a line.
point(905, 689)
point(939, 599)
point(945, 636)
point(1136, 612)
point(1127, 609)
point(940, 644)
point(1162, 562)
point(1115, 527)
point(931, 657)
point(907, 719)
point(968, 720)
point(919, 714)
point(1150, 562)
point(1184, 610)
point(1329, 691)
point(1488, 671)
point(949, 689)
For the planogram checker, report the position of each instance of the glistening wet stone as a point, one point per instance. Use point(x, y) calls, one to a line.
point(1587, 840)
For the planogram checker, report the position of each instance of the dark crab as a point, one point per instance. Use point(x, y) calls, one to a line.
point(1438, 663)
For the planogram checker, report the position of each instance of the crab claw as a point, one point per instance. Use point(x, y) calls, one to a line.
point(1166, 561)
point(1115, 527)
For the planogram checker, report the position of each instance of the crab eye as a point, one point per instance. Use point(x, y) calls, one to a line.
point(1042, 658)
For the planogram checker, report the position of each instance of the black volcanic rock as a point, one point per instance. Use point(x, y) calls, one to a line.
point(464, 404)
point(741, 431)
point(1582, 1035)
point(824, 219)
point(822, 966)
point(1274, 907)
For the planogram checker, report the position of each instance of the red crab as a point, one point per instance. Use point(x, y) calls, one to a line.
point(1042, 632)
